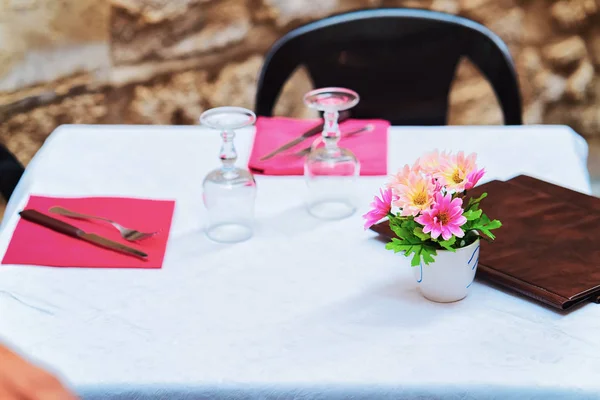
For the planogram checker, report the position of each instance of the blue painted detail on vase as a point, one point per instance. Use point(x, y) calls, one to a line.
point(421, 278)
point(473, 255)
point(476, 251)
point(474, 264)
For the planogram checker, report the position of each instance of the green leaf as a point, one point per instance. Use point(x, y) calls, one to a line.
point(447, 244)
point(418, 232)
point(409, 223)
point(394, 223)
point(404, 246)
point(428, 253)
point(411, 240)
point(401, 227)
point(472, 215)
point(473, 204)
point(424, 252)
point(396, 245)
point(403, 233)
point(485, 226)
point(488, 233)
point(495, 224)
point(417, 249)
point(416, 260)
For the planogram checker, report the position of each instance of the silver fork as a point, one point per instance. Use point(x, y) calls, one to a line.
point(366, 128)
point(128, 234)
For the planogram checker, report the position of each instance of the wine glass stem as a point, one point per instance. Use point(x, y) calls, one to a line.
point(331, 130)
point(228, 153)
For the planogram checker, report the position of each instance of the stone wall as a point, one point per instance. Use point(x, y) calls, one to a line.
point(165, 61)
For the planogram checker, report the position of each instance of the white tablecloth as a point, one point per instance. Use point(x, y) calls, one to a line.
point(305, 309)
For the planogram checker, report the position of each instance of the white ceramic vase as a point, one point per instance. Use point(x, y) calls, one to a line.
point(449, 277)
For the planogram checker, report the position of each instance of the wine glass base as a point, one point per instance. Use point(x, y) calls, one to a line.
point(333, 209)
point(229, 233)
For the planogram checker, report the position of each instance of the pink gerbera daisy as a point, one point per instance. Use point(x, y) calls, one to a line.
point(380, 208)
point(443, 218)
point(416, 196)
point(455, 169)
point(473, 178)
point(400, 180)
point(431, 162)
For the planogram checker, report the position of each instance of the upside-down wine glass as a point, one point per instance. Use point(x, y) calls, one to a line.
point(229, 191)
point(331, 171)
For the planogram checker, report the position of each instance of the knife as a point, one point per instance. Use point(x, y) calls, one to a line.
point(366, 128)
point(73, 231)
point(344, 115)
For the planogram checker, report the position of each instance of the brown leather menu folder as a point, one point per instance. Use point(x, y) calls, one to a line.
point(548, 247)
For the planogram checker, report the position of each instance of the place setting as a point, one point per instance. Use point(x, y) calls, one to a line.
point(282, 144)
point(91, 232)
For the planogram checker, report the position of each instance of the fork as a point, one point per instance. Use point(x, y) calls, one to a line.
point(366, 128)
point(128, 234)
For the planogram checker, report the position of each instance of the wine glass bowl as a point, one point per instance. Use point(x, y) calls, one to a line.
point(223, 118)
point(331, 171)
point(229, 192)
point(331, 99)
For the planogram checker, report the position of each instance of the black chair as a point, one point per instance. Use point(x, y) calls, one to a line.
point(11, 171)
point(400, 61)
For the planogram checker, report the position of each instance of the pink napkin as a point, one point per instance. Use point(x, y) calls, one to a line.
point(33, 244)
point(272, 132)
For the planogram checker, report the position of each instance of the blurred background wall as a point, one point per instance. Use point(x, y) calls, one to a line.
point(165, 61)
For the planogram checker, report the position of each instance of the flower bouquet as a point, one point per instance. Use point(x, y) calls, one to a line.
point(429, 210)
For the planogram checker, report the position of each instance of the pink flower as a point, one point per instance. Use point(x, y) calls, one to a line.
point(400, 178)
point(437, 185)
point(399, 181)
point(455, 169)
point(473, 178)
point(381, 208)
point(430, 163)
point(416, 196)
point(444, 218)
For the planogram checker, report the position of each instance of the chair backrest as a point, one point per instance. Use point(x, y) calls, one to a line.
point(11, 171)
point(401, 62)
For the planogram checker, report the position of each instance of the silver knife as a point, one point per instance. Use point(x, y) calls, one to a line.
point(73, 231)
point(316, 130)
point(367, 128)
